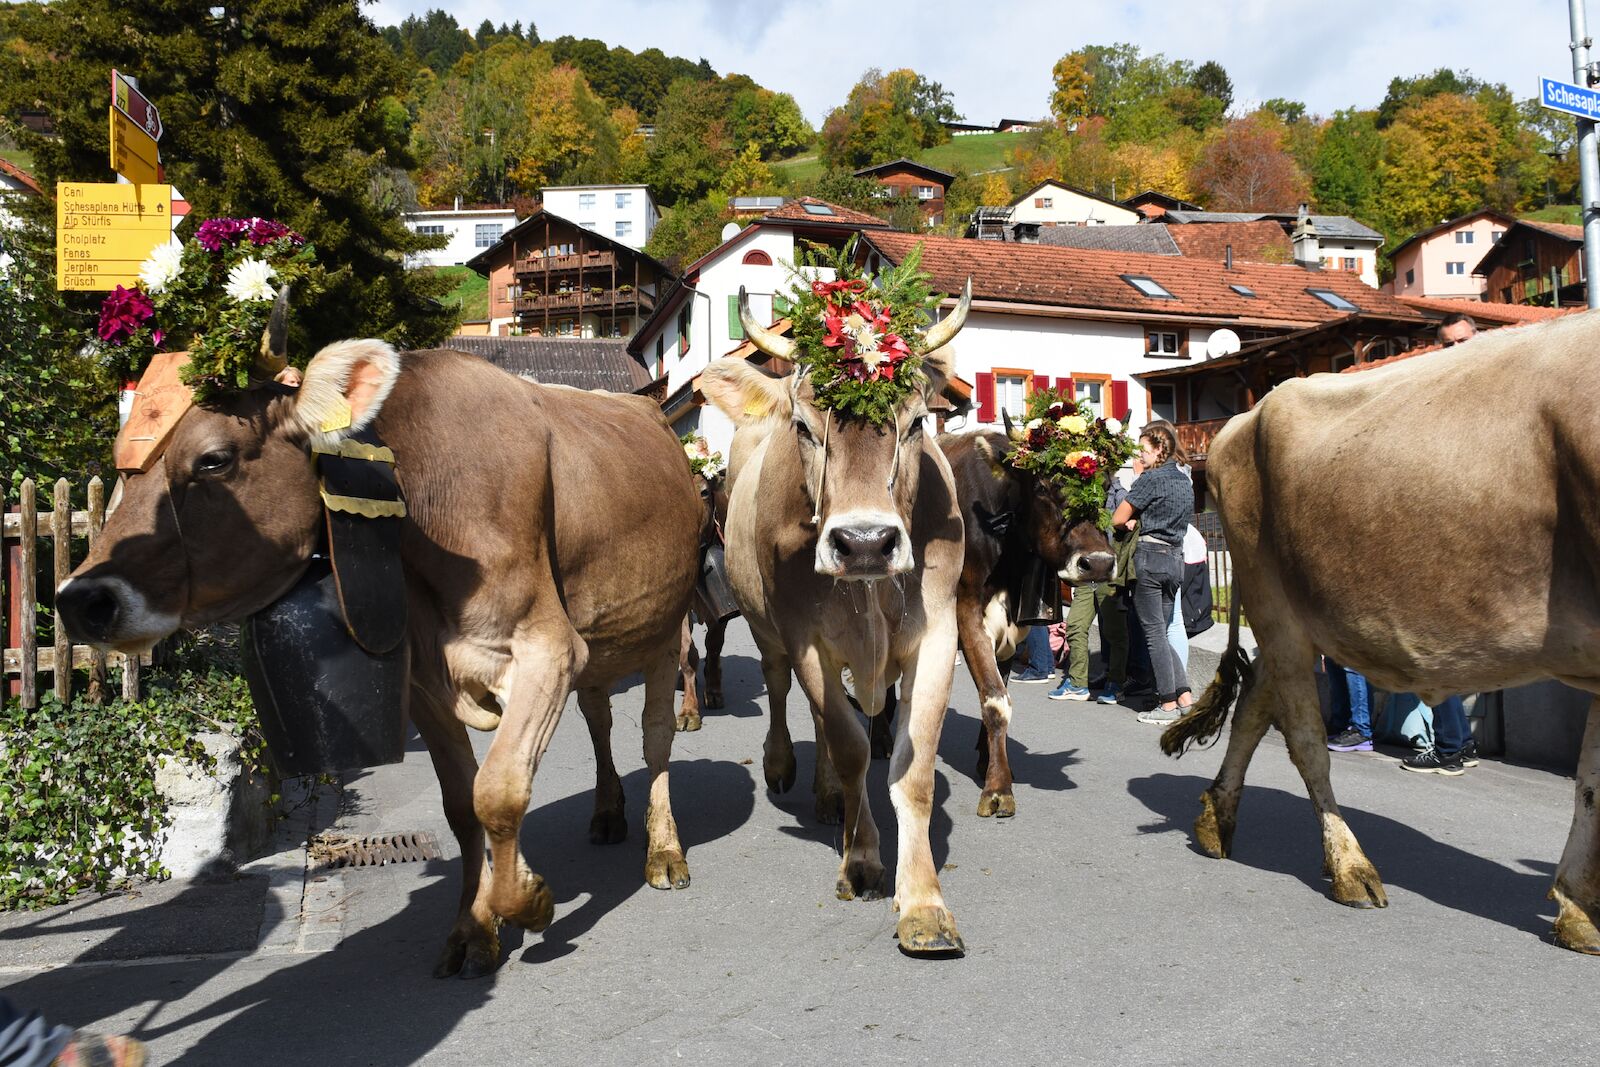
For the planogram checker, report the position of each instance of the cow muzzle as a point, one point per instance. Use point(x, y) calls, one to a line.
point(1086, 567)
point(864, 548)
point(110, 613)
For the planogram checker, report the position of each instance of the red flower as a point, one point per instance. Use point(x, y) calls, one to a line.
point(123, 312)
point(1088, 466)
point(827, 289)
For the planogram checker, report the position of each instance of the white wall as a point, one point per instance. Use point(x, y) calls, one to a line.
point(1364, 253)
point(1070, 208)
point(462, 229)
point(595, 208)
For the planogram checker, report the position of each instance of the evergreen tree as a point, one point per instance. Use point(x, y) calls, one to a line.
point(278, 108)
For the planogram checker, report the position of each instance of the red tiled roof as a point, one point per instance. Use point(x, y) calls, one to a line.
point(1262, 241)
point(12, 170)
point(1556, 229)
point(794, 211)
point(1496, 314)
point(1422, 351)
point(1080, 278)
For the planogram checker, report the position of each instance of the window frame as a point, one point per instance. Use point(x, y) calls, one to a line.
point(1027, 376)
point(478, 234)
point(1180, 340)
point(1133, 281)
point(1333, 299)
point(1080, 378)
point(1150, 401)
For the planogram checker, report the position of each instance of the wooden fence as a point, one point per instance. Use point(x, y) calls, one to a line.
point(23, 530)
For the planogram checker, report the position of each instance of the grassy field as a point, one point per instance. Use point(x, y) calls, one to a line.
point(19, 157)
point(1568, 213)
point(471, 293)
point(974, 154)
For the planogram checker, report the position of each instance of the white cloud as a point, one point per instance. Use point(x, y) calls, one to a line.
point(996, 58)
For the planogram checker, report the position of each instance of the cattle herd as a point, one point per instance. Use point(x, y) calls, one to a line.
point(1432, 525)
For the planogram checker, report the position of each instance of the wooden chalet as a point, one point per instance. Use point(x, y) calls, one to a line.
point(915, 181)
point(1537, 263)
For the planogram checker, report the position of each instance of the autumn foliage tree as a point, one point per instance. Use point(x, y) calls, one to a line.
point(884, 117)
point(1245, 166)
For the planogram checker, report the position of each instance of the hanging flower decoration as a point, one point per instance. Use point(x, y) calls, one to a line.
point(210, 296)
point(702, 461)
point(1063, 443)
point(857, 337)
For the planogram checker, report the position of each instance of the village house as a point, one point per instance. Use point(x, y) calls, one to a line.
point(1055, 203)
point(1440, 262)
point(908, 179)
point(1152, 204)
point(625, 213)
point(468, 231)
point(1343, 244)
point(1535, 263)
point(550, 277)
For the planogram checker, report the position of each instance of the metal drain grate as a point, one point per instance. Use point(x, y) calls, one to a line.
point(342, 850)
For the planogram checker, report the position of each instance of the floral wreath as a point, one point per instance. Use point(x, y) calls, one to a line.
point(858, 337)
point(1063, 443)
point(211, 296)
point(702, 461)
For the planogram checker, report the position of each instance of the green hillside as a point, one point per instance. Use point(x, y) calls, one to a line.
point(974, 154)
point(471, 293)
point(1570, 214)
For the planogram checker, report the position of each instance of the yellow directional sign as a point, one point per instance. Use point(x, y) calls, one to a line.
point(133, 151)
point(105, 231)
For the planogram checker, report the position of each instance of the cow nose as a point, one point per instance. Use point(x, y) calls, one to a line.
point(1097, 566)
point(88, 609)
point(866, 545)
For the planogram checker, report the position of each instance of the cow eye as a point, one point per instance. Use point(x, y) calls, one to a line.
point(210, 464)
point(803, 430)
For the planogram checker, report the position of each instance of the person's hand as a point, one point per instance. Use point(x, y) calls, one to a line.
point(289, 376)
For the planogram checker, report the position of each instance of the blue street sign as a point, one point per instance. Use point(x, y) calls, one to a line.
point(1560, 96)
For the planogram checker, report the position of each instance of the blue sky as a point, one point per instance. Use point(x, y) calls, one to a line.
point(996, 57)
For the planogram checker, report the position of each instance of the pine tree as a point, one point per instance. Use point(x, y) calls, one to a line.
point(286, 109)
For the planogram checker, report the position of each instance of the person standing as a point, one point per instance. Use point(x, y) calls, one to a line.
point(1453, 749)
point(1350, 725)
point(1161, 503)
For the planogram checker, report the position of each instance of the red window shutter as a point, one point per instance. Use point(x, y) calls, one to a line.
point(1040, 383)
point(1119, 400)
point(986, 412)
point(1066, 386)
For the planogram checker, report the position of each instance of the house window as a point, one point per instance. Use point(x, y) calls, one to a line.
point(1163, 344)
point(611, 328)
point(1463, 237)
point(564, 328)
point(661, 348)
point(624, 199)
point(513, 291)
point(1348, 359)
point(1244, 291)
point(683, 332)
point(927, 192)
point(590, 225)
point(431, 230)
point(1495, 235)
point(1094, 388)
point(1333, 299)
point(756, 258)
point(1455, 267)
point(585, 201)
point(624, 228)
point(1043, 201)
point(485, 234)
point(1411, 277)
point(1164, 402)
point(1351, 264)
point(1505, 296)
point(1011, 395)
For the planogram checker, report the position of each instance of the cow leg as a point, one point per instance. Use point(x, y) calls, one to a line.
point(926, 926)
point(664, 867)
point(609, 824)
point(777, 753)
point(842, 746)
point(689, 711)
point(827, 791)
point(1219, 811)
point(994, 767)
point(1577, 885)
point(716, 631)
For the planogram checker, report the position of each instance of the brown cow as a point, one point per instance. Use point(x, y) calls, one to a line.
point(549, 545)
point(1010, 516)
point(1432, 524)
point(844, 550)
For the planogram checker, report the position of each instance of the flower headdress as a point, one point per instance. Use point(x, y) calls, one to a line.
point(702, 461)
point(211, 296)
point(861, 339)
point(1063, 443)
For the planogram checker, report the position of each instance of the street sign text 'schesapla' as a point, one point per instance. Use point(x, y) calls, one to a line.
point(104, 232)
point(1570, 99)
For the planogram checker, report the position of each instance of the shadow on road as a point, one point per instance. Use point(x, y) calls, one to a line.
point(1276, 833)
point(1036, 770)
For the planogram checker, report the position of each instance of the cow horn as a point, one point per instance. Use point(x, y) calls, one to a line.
point(275, 338)
point(773, 344)
point(939, 334)
point(1005, 417)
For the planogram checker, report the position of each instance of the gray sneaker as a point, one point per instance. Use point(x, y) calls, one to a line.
point(1159, 716)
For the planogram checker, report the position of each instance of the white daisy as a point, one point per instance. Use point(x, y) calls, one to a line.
point(158, 271)
point(1114, 425)
point(867, 339)
point(251, 279)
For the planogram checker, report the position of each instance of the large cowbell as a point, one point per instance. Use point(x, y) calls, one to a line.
point(328, 663)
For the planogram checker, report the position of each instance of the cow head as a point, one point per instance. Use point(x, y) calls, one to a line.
point(1076, 547)
point(859, 479)
point(225, 521)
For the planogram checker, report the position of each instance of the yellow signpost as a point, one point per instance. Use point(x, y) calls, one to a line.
point(105, 231)
point(133, 151)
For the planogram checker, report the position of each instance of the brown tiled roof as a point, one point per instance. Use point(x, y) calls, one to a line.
point(1563, 230)
point(1078, 278)
point(14, 171)
point(1255, 242)
point(795, 211)
point(1373, 364)
point(1495, 314)
point(587, 363)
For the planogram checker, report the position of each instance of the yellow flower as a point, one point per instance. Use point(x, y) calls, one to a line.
point(1073, 457)
point(1072, 423)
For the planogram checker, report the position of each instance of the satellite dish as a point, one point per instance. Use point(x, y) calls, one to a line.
point(730, 231)
point(1223, 342)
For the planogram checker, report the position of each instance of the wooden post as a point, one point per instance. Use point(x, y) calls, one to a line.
point(27, 594)
point(61, 533)
point(97, 519)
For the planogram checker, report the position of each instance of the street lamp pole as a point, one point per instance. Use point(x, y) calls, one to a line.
point(1588, 163)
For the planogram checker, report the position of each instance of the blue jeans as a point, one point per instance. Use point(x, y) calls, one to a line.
point(1158, 576)
point(1451, 730)
point(1036, 651)
point(1178, 633)
point(1351, 700)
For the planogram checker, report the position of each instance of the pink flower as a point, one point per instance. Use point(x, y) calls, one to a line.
point(122, 314)
point(215, 234)
point(265, 231)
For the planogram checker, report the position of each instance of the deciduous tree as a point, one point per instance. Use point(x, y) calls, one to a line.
point(1245, 167)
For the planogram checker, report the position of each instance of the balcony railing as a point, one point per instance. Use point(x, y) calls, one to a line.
point(1196, 437)
point(587, 261)
point(603, 300)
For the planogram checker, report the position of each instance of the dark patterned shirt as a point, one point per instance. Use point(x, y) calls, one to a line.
point(1164, 500)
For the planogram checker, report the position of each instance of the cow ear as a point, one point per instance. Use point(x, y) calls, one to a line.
point(937, 368)
point(746, 394)
point(344, 388)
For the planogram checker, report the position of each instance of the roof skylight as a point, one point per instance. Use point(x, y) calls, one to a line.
point(1333, 299)
point(817, 209)
point(1148, 286)
point(1243, 290)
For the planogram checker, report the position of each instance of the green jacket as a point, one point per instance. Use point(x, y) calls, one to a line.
point(1123, 542)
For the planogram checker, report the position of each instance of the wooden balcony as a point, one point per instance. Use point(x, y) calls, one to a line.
point(605, 300)
point(1196, 437)
point(569, 264)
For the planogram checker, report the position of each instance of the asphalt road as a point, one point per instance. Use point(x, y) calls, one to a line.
point(1095, 931)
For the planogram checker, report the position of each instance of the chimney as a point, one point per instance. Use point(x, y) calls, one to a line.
point(458, 203)
point(1227, 258)
point(1307, 250)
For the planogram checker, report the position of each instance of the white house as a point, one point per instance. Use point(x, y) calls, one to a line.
point(470, 230)
point(15, 184)
point(1054, 203)
point(624, 213)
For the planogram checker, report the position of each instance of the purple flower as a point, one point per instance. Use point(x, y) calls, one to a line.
point(215, 234)
point(123, 312)
point(265, 231)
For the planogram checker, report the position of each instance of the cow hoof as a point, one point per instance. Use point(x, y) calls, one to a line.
point(688, 724)
point(830, 808)
point(666, 870)
point(861, 880)
point(1359, 887)
point(779, 769)
point(536, 908)
point(1214, 839)
point(468, 958)
point(930, 933)
point(1574, 929)
point(713, 699)
point(608, 828)
point(479, 963)
point(998, 805)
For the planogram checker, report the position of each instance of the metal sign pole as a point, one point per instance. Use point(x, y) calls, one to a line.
point(1588, 164)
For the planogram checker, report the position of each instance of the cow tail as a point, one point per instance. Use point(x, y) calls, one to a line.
point(1235, 677)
